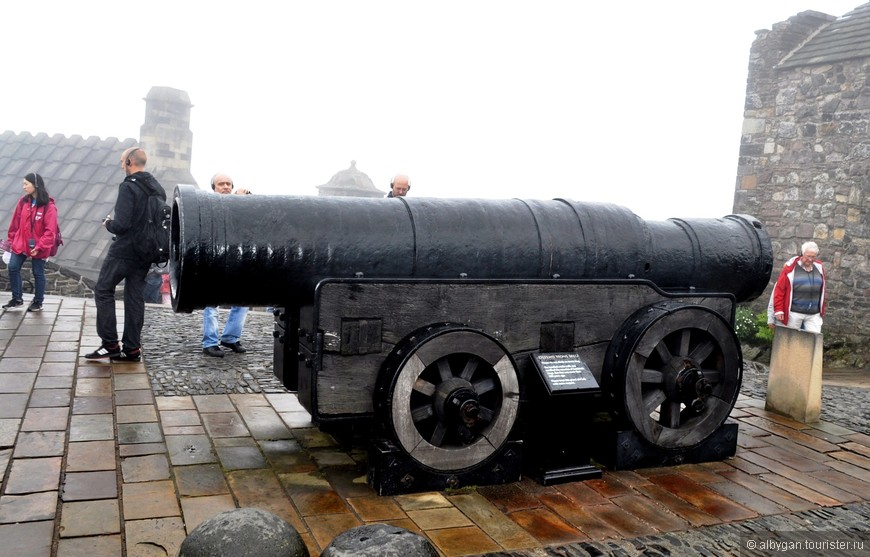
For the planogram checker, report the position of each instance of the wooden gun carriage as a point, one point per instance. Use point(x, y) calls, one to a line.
point(429, 318)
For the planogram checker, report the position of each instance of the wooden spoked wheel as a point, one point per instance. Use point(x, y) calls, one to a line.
point(673, 371)
point(449, 396)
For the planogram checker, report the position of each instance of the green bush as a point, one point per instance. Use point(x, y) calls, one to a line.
point(752, 329)
point(764, 334)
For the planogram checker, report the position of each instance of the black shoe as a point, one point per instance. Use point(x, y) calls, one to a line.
point(213, 351)
point(34, 306)
point(235, 347)
point(128, 356)
point(13, 303)
point(105, 351)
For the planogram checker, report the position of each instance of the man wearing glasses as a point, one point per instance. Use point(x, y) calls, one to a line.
point(799, 294)
point(212, 338)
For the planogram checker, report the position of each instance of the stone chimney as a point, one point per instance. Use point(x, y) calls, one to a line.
point(166, 136)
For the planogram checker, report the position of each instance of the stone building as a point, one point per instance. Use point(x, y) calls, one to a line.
point(804, 166)
point(350, 182)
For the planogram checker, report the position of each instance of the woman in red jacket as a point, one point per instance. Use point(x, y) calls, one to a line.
point(31, 234)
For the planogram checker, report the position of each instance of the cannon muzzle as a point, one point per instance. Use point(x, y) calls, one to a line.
point(264, 250)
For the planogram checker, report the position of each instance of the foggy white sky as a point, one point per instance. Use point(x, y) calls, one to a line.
point(636, 103)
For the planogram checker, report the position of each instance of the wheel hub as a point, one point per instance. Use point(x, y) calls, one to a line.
point(458, 405)
point(692, 387)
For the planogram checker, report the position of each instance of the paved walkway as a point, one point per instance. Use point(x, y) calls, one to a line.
point(94, 464)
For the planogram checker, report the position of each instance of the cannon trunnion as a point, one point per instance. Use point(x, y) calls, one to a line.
point(422, 317)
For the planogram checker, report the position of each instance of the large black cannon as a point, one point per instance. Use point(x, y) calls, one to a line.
point(430, 316)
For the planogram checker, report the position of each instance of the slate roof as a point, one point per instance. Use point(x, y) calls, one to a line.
point(82, 175)
point(845, 38)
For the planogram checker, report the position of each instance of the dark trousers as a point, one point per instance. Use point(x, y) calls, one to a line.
point(112, 272)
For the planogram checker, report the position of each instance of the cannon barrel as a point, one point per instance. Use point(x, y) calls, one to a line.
point(272, 250)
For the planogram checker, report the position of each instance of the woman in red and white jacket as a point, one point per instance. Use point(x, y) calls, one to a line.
point(799, 294)
point(31, 234)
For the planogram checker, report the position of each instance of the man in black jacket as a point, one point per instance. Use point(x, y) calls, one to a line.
point(123, 263)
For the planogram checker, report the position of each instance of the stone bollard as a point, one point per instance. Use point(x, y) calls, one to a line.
point(379, 540)
point(794, 386)
point(244, 533)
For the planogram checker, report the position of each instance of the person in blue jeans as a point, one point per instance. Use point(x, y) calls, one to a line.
point(32, 233)
point(232, 333)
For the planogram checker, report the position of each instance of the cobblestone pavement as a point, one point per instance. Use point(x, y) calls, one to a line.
point(182, 369)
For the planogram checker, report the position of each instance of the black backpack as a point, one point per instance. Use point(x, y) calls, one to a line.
point(153, 244)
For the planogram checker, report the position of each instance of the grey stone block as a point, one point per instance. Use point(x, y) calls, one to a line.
point(794, 386)
point(379, 540)
point(244, 533)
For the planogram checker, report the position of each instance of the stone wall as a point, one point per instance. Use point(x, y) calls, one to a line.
point(59, 281)
point(804, 168)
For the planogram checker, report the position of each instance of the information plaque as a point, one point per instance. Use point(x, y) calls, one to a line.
point(564, 373)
